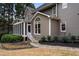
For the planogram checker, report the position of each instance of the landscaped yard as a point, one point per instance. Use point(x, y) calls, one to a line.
point(38, 52)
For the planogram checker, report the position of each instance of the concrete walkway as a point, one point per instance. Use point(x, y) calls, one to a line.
point(54, 47)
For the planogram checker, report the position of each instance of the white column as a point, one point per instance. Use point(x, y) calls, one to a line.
point(15, 29)
point(24, 31)
point(21, 28)
point(24, 28)
point(49, 27)
point(56, 10)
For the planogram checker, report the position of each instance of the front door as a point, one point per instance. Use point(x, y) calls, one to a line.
point(28, 28)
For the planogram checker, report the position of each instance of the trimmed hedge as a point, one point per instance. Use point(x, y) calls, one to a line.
point(9, 38)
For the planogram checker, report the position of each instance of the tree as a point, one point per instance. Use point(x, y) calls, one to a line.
point(6, 13)
point(20, 9)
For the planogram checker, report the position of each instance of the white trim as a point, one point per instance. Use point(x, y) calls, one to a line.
point(49, 27)
point(40, 13)
point(34, 29)
point(24, 35)
point(56, 10)
point(21, 28)
point(61, 27)
point(30, 28)
point(17, 23)
point(24, 28)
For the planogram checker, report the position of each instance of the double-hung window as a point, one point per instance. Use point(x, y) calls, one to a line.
point(37, 26)
point(63, 27)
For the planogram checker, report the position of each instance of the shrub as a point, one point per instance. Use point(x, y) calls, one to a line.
point(49, 38)
point(66, 39)
point(55, 38)
point(9, 38)
point(43, 39)
point(73, 38)
point(1, 34)
point(77, 37)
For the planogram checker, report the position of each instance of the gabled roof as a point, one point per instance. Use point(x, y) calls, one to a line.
point(41, 14)
point(45, 6)
point(28, 13)
point(49, 16)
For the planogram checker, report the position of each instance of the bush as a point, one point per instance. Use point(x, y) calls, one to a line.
point(9, 38)
point(1, 34)
point(73, 38)
point(49, 38)
point(66, 39)
point(43, 39)
point(55, 38)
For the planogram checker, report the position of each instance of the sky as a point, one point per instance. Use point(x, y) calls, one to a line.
point(37, 4)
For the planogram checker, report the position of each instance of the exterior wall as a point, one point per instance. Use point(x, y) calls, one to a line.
point(44, 26)
point(54, 27)
point(70, 15)
point(50, 11)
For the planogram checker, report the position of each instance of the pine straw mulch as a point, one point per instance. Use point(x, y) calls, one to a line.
point(14, 46)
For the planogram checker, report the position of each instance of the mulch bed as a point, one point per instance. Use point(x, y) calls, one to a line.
point(62, 44)
point(13, 46)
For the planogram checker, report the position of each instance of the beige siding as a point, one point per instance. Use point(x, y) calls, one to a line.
point(44, 26)
point(54, 27)
point(70, 15)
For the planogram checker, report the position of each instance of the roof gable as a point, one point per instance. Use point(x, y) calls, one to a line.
point(39, 13)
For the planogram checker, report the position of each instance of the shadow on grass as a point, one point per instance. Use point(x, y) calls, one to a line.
point(73, 45)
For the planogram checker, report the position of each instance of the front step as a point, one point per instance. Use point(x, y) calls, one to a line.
point(31, 38)
point(37, 45)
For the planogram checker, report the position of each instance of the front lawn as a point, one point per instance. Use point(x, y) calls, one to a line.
point(39, 52)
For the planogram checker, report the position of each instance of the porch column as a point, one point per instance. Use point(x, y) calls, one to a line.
point(24, 30)
point(13, 29)
point(49, 27)
point(18, 29)
point(21, 28)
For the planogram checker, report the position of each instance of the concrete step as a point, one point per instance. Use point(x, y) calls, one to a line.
point(35, 44)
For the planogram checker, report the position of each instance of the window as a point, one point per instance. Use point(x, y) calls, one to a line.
point(64, 5)
point(37, 26)
point(63, 27)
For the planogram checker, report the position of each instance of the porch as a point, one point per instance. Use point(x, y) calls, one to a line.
point(21, 28)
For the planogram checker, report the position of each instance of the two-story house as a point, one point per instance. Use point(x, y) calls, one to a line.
point(53, 19)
